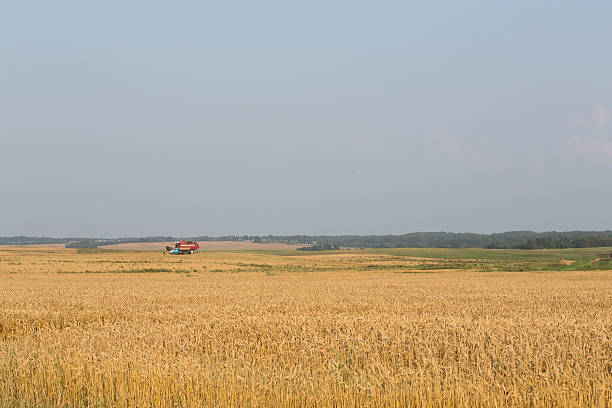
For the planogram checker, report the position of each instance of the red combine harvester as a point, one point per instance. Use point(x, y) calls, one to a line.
point(182, 248)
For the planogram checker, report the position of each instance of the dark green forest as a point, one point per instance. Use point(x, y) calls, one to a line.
point(504, 240)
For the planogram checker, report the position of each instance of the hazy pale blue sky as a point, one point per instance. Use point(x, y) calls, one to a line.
point(335, 117)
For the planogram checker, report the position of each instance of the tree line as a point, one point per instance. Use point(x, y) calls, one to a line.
point(504, 240)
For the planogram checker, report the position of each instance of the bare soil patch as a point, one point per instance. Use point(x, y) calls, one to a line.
point(56, 246)
point(205, 245)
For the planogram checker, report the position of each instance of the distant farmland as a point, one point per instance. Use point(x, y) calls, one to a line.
point(282, 328)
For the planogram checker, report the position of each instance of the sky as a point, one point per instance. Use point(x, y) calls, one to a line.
point(195, 118)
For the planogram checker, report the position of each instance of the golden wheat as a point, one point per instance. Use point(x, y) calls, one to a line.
point(250, 329)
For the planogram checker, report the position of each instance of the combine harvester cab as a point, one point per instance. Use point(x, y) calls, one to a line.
point(183, 248)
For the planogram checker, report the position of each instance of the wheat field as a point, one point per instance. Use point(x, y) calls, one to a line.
point(251, 329)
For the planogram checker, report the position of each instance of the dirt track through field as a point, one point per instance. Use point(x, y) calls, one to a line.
point(50, 246)
point(205, 245)
point(159, 246)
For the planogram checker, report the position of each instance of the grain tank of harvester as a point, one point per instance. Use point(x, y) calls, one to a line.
point(183, 248)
